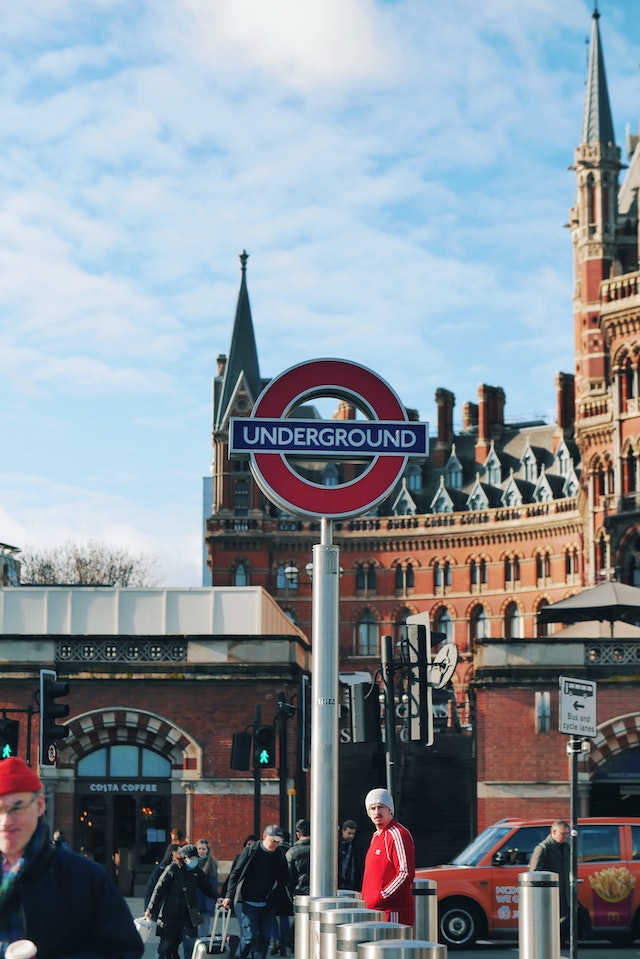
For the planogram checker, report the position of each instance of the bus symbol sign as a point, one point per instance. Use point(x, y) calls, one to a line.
point(577, 707)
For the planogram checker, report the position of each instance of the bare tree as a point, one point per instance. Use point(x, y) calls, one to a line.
point(90, 564)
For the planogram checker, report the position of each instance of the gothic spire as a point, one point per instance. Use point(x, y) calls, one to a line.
point(597, 125)
point(243, 353)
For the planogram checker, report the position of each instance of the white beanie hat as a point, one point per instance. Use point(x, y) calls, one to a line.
point(379, 795)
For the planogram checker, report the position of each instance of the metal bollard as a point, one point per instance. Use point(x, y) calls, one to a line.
point(401, 949)
point(426, 896)
point(539, 915)
point(331, 920)
point(301, 906)
point(349, 893)
point(351, 934)
point(317, 906)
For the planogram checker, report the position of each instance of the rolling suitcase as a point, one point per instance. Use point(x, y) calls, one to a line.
point(215, 944)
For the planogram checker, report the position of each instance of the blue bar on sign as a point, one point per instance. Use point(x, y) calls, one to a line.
point(328, 437)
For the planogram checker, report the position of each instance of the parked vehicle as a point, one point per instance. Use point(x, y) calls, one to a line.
point(478, 891)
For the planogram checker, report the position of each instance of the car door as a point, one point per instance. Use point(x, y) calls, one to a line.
point(607, 879)
point(508, 861)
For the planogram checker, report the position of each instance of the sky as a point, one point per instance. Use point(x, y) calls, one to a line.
point(397, 171)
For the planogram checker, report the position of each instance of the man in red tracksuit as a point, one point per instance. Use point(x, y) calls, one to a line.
point(389, 868)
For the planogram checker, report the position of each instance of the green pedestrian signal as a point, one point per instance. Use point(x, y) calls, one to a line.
point(264, 746)
point(9, 731)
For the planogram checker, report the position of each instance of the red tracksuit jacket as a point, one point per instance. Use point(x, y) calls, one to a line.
point(389, 871)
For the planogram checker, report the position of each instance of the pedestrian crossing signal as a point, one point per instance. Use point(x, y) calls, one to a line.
point(9, 731)
point(264, 747)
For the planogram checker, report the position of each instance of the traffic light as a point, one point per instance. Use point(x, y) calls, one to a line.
point(420, 728)
point(50, 710)
point(9, 731)
point(240, 751)
point(264, 747)
point(365, 713)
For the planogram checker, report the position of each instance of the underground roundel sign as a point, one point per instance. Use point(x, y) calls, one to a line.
point(271, 436)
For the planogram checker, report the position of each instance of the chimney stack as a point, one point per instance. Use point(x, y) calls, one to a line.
point(491, 400)
point(565, 407)
point(445, 401)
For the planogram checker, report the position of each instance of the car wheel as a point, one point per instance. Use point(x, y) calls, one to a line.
point(460, 923)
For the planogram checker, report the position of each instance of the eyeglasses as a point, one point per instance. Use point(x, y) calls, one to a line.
point(17, 808)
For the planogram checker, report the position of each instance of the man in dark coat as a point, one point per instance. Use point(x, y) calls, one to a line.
point(299, 860)
point(552, 855)
point(260, 881)
point(350, 858)
point(174, 902)
point(65, 903)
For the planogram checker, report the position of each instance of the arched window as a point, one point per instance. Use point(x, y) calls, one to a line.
point(473, 573)
point(124, 762)
point(602, 557)
point(408, 576)
point(401, 625)
point(513, 622)
point(570, 564)
point(437, 576)
point(240, 577)
point(479, 626)
point(287, 577)
point(366, 578)
point(447, 574)
point(508, 571)
point(367, 635)
point(543, 629)
point(444, 624)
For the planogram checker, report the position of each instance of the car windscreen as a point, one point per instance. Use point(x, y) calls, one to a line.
point(481, 845)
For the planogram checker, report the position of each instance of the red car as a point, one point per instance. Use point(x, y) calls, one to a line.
point(478, 891)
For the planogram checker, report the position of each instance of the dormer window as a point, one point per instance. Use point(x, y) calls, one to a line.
point(493, 469)
point(529, 465)
point(453, 470)
point(441, 502)
point(414, 479)
point(478, 499)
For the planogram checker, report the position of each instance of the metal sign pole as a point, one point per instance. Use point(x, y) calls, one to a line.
point(324, 715)
point(575, 746)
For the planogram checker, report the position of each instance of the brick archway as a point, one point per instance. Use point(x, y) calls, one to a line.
point(613, 737)
point(123, 724)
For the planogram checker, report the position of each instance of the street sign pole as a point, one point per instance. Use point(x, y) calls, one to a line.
point(324, 714)
point(270, 436)
point(574, 747)
point(577, 717)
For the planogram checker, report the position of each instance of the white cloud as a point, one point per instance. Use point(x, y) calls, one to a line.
point(397, 171)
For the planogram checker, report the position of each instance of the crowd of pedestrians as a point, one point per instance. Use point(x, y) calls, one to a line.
point(43, 879)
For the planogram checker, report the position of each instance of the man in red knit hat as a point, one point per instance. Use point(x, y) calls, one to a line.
point(389, 868)
point(63, 902)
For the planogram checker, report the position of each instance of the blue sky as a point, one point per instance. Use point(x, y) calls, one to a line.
point(397, 172)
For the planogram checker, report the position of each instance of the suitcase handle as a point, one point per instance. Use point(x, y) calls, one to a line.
point(220, 914)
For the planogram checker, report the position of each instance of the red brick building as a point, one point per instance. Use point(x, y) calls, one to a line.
point(501, 519)
point(160, 680)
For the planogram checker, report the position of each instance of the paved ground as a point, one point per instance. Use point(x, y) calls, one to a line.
point(483, 950)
